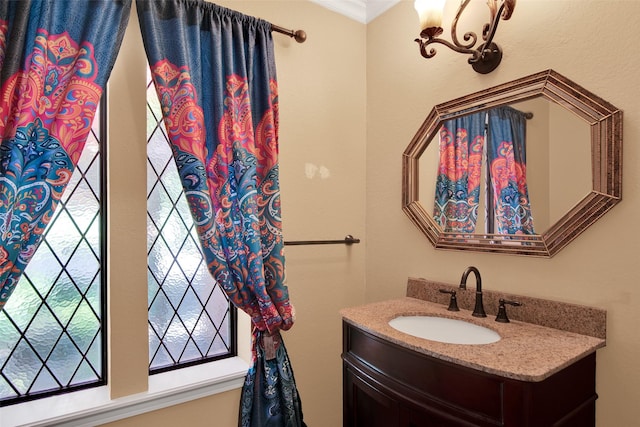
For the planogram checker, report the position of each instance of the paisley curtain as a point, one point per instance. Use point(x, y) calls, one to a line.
point(55, 58)
point(506, 157)
point(459, 170)
point(214, 73)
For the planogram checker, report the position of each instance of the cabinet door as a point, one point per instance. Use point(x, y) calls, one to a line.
point(410, 417)
point(386, 385)
point(365, 406)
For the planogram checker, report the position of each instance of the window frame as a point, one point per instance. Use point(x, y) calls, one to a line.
point(158, 127)
point(96, 403)
point(131, 390)
point(102, 117)
point(95, 406)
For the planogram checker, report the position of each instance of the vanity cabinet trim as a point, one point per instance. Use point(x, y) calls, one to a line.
point(412, 382)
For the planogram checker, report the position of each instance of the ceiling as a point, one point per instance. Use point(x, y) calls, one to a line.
point(359, 10)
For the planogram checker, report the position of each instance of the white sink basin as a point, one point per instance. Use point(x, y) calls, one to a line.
point(445, 330)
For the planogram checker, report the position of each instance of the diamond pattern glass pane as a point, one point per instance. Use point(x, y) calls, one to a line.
point(51, 330)
point(190, 317)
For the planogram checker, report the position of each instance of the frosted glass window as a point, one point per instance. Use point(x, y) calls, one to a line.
point(51, 329)
point(190, 317)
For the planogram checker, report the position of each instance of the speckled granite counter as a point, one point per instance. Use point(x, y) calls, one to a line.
point(568, 317)
point(526, 351)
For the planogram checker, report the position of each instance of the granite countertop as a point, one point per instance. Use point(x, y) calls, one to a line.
point(526, 351)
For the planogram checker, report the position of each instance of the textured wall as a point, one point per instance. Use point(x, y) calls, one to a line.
point(322, 91)
point(588, 42)
point(354, 94)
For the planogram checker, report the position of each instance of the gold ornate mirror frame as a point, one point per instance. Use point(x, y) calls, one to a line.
point(605, 123)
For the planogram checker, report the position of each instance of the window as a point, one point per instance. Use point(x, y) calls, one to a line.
point(52, 336)
point(127, 287)
point(52, 333)
point(190, 317)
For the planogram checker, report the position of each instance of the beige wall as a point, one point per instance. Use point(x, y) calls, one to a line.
point(322, 92)
point(589, 42)
point(127, 159)
point(322, 88)
point(218, 411)
point(351, 99)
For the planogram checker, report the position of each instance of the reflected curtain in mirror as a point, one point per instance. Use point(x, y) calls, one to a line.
point(214, 73)
point(460, 183)
point(507, 165)
point(563, 210)
point(459, 172)
point(55, 58)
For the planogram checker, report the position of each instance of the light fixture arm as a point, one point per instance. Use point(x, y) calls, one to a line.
point(488, 55)
point(430, 53)
point(504, 11)
point(468, 36)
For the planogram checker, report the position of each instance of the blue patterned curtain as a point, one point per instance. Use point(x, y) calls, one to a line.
point(506, 152)
point(55, 58)
point(214, 73)
point(459, 171)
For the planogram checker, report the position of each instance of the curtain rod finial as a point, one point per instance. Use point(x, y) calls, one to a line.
point(300, 36)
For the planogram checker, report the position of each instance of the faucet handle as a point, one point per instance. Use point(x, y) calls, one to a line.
point(453, 301)
point(502, 310)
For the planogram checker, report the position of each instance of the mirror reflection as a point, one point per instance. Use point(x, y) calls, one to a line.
point(535, 188)
point(512, 169)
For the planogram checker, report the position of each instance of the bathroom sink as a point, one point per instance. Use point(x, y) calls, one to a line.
point(444, 330)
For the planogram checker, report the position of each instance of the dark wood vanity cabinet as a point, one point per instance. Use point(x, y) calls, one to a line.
point(386, 385)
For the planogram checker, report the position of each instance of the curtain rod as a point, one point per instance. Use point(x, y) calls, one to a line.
point(300, 36)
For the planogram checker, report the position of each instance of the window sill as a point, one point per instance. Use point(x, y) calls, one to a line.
point(93, 407)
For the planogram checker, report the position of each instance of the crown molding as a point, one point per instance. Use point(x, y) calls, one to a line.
point(363, 11)
point(376, 8)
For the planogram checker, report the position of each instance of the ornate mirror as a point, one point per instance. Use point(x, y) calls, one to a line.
point(573, 165)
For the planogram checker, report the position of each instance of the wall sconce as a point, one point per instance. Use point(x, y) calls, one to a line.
point(487, 56)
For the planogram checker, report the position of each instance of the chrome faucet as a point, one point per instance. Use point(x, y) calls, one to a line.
point(478, 310)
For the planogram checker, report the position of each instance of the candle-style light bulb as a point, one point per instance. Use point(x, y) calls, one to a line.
point(430, 13)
